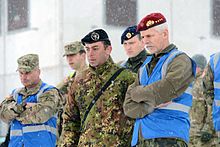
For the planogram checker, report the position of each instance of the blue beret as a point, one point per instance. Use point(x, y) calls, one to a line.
point(129, 33)
point(95, 36)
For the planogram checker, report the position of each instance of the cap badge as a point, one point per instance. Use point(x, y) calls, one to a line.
point(95, 36)
point(128, 35)
point(149, 23)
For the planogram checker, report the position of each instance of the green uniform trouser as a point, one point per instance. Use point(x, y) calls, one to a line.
point(162, 142)
point(195, 141)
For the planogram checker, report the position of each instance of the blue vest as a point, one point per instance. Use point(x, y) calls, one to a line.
point(169, 121)
point(33, 135)
point(215, 66)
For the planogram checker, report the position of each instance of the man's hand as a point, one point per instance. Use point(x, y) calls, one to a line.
point(29, 105)
point(9, 97)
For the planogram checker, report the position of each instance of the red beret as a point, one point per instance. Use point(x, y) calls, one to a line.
point(150, 21)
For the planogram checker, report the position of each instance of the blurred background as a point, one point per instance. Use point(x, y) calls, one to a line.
point(44, 26)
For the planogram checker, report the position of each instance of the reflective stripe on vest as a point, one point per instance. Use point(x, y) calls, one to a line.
point(141, 72)
point(188, 90)
point(42, 90)
point(15, 133)
point(216, 58)
point(15, 93)
point(176, 107)
point(30, 129)
point(218, 133)
point(217, 103)
point(173, 105)
point(166, 63)
point(217, 85)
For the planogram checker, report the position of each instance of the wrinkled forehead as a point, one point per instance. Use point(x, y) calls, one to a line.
point(150, 31)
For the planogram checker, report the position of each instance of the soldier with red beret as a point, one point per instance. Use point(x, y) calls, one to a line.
point(160, 98)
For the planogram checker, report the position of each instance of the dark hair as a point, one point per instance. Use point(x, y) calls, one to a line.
point(82, 51)
point(139, 36)
point(106, 43)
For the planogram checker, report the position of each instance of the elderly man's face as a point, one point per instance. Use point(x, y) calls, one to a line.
point(30, 79)
point(155, 41)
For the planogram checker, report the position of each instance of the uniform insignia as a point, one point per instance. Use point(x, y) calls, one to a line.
point(149, 23)
point(128, 35)
point(95, 36)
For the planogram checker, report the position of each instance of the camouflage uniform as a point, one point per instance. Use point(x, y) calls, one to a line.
point(46, 106)
point(106, 124)
point(210, 137)
point(198, 113)
point(63, 87)
point(49, 100)
point(71, 48)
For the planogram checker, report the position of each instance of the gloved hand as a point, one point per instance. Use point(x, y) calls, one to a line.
point(6, 114)
point(17, 108)
point(205, 137)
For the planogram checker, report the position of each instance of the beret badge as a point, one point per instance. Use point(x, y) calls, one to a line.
point(95, 36)
point(149, 23)
point(151, 20)
point(128, 35)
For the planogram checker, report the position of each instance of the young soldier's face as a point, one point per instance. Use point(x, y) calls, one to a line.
point(133, 46)
point(97, 53)
point(75, 60)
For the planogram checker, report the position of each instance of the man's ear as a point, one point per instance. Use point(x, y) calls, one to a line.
point(109, 50)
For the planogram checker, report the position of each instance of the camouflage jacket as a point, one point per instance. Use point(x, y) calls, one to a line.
point(199, 110)
point(135, 63)
point(208, 91)
point(106, 124)
point(178, 78)
point(49, 100)
point(65, 85)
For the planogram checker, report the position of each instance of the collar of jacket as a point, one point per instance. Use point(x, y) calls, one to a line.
point(102, 68)
point(31, 91)
point(139, 58)
point(166, 50)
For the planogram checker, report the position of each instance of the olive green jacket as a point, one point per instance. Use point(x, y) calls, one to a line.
point(142, 100)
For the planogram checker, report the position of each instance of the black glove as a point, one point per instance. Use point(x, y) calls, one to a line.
point(205, 137)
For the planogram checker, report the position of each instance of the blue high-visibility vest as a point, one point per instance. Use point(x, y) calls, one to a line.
point(33, 135)
point(215, 66)
point(171, 120)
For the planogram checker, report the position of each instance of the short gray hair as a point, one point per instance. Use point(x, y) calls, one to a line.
point(161, 27)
